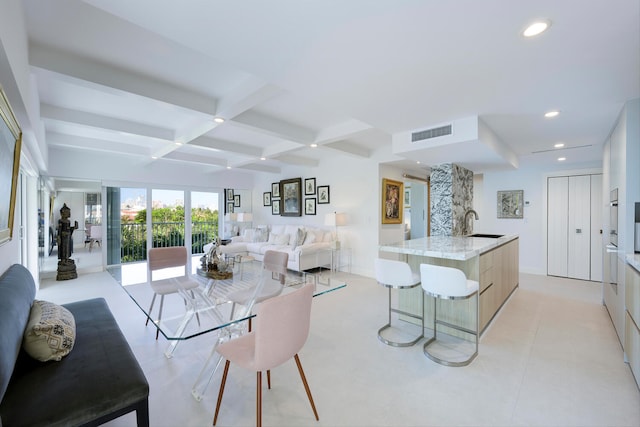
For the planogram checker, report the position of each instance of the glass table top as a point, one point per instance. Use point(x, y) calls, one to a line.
point(199, 304)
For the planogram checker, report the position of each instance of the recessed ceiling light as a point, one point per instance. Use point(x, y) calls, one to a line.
point(314, 145)
point(178, 143)
point(418, 162)
point(550, 114)
point(562, 159)
point(218, 119)
point(559, 145)
point(263, 158)
point(536, 28)
point(154, 157)
point(228, 167)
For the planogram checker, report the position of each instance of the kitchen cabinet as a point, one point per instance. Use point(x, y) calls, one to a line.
point(632, 320)
point(574, 240)
point(498, 278)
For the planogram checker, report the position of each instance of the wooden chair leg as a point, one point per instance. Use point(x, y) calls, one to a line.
point(269, 379)
point(306, 386)
point(259, 399)
point(222, 383)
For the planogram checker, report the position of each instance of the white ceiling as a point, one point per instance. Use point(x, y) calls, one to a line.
point(351, 76)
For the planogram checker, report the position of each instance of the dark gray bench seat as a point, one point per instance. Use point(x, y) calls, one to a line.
point(99, 380)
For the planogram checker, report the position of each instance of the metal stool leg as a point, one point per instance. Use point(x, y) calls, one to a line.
point(398, 311)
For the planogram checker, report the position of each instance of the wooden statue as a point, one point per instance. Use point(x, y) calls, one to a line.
point(66, 265)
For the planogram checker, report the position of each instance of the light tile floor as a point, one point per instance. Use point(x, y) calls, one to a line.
point(550, 358)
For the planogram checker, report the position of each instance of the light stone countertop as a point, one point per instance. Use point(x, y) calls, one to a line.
point(448, 247)
point(634, 261)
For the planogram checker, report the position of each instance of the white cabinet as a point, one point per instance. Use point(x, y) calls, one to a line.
point(574, 223)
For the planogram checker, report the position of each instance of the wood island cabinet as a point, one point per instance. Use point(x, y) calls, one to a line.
point(632, 320)
point(498, 278)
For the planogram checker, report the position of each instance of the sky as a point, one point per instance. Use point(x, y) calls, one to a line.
point(169, 197)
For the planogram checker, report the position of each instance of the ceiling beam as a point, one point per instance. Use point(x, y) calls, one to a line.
point(84, 71)
point(278, 128)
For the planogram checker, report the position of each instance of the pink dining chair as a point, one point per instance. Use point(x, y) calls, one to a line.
point(281, 329)
point(159, 259)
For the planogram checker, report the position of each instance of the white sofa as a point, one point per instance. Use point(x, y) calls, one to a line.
point(308, 247)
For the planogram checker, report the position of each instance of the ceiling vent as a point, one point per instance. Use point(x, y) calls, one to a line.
point(431, 133)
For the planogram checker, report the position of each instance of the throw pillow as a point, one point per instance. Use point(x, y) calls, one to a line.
point(300, 236)
point(272, 238)
point(310, 238)
point(282, 239)
point(50, 332)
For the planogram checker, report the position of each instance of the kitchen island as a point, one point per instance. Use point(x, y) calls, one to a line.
point(492, 261)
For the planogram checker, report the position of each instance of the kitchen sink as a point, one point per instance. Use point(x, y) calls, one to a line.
point(490, 236)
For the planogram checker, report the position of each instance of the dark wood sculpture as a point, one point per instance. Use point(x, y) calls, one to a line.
point(66, 265)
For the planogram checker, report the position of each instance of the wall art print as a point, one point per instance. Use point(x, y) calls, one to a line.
point(10, 146)
point(392, 195)
point(510, 204)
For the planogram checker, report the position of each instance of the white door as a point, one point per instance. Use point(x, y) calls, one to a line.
point(596, 228)
point(557, 225)
point(579, 228)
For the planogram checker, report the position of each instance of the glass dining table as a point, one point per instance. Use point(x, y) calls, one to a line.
point(200, 304)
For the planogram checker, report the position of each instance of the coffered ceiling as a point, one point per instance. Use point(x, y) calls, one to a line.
point(147, 78)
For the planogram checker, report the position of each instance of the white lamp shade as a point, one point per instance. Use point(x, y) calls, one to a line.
point(245, 217)
point(330, 219)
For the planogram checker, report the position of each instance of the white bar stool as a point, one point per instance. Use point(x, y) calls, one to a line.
point(449, 283)
point(398, 275)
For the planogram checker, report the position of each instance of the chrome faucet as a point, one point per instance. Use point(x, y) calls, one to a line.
point(466, 215)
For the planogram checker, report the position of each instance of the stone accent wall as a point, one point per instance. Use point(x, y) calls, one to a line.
point(451, 197)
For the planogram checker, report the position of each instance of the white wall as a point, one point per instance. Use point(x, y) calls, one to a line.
point(532, 227)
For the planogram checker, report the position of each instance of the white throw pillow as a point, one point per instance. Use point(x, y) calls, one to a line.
point(272, 238)
point(309, 238)
point(282, 239)
point(299, 237)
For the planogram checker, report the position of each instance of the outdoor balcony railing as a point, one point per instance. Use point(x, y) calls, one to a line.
point(133, 240)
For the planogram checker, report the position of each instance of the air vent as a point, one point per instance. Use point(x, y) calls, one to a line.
point(431, 133)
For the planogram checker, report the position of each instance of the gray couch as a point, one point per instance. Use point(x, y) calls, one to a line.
point(99, 380)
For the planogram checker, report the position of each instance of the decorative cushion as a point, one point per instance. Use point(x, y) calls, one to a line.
point(299, 237)
point(309, 238)
point(50, 332)
point(260, 235)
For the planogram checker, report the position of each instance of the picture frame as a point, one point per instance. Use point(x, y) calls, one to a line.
point(229, 207)
point(291, 195)
point(392, 201)
point(229, 194)
point(275, 190)
point(310, 206)
point(266, 198)
point(10, 147)
point(510, 204)
point(236, 201)
point(323, 195)
point(275, 207)
point(309, 186)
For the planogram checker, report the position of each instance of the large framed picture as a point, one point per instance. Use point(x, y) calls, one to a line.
point(392, 195)
point(291, 193)
point(309, 186)
point(323, 194)
point(510, 204)
point(10, 145)
point(309, 206)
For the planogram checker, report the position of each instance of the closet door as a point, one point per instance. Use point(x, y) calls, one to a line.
point(596, 228)
point(579, 235)
point(557, 225)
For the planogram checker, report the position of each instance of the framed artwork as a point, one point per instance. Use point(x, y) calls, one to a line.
point(266, 199)
point(310, 206)
point(309, 186)
point(229, 207)
point(275, 207)
point(392, 195)
point(10, 146)
point(291, 194)
point(236, 201)
point(323, 194)
point(229, 195)
point(510, 204)
point(275, 190)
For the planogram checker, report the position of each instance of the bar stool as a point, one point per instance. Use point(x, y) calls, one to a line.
point(398, 275)
point(449, 283)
